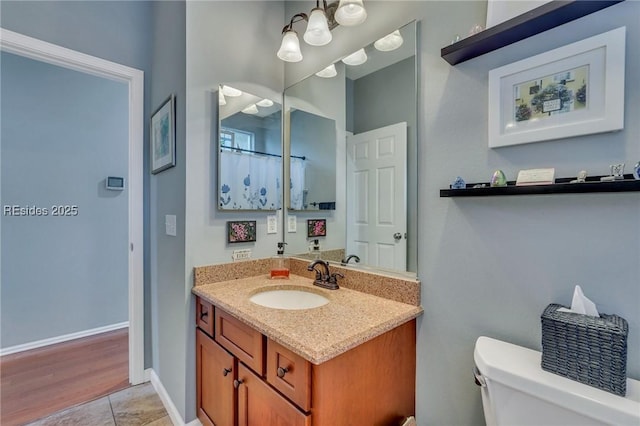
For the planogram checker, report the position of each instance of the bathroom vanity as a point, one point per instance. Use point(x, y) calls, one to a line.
point(350, 361)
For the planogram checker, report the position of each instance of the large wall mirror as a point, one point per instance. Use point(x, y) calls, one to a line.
point(351, 142)
point(249, 151)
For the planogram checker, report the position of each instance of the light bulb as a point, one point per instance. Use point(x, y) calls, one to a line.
point(389, 42)
point(251, 109)
point(317, 33)
point(357, 58)
point(350, 12)
point(231, 91)
point(328, 72)
point(290, 47)
point(265, 103)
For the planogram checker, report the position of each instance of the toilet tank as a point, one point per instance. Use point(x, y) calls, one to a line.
point(516, 391)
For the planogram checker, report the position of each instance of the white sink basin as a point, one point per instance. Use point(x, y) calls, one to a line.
point(291, 299)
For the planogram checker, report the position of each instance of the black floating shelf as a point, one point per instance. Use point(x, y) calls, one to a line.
point(562, 186)
point(538, 20)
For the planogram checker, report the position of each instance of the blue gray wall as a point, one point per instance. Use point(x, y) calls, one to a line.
point(63, 132)
point(170, 301)
point(118, 31)
point(489, 266)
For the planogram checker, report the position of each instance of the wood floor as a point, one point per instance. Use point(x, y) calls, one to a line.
point(39, 382)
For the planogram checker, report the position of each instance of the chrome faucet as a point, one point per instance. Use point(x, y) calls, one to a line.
point(346, 260)
point(325, 280)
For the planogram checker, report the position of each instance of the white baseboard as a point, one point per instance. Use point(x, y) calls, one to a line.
point(173, 412)
point(59, 339)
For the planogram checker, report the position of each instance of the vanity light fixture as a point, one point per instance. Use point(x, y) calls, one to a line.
point(231, 91)
point(265, 103)
point(221, 99)
point(328, 72)
point(350, 13)
point(358, 57)
point(251, 109)
point(320, 22)
point(389, 42)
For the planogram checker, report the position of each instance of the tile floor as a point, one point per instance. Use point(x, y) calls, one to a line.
point(134, 406)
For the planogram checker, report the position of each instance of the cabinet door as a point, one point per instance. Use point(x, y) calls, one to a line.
point(215, 373)
point(259, 405)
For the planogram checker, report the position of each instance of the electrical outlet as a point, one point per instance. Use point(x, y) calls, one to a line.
point(272, 224)
point(242, 254)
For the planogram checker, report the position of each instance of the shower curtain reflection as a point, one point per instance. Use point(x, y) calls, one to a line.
point(249, 181)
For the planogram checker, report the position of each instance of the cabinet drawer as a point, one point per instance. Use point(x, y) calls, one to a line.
point(290, 374)
point(204, 316)
point(241, 340)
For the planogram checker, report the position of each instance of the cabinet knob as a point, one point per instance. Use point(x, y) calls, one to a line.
point(204, 314)
point(282, 371)
point(237, 383)
point(226, 371)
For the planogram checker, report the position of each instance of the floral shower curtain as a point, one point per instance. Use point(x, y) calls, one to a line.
point(249, 181)
point(297, 184)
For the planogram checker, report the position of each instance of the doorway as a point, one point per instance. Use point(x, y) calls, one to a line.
point(132, 80)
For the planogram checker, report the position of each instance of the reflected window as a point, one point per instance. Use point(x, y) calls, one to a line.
point(236, 139)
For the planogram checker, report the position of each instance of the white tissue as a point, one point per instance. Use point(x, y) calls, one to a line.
point(581, 304)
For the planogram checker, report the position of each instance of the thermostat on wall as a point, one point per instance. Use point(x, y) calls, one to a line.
point(115, 183)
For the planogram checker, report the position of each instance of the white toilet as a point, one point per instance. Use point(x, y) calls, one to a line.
point(516, 391)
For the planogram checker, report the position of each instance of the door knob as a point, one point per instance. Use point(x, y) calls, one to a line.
point(397, 236)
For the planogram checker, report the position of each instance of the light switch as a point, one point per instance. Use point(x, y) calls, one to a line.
point(170, 224)
point(272, 224)
point(291, 223)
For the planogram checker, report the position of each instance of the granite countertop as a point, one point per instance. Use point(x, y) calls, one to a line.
point(318, 334)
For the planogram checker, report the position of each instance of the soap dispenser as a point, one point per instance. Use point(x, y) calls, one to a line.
point(280, 264)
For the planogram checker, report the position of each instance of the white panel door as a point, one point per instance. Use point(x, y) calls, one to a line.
point(377, 196)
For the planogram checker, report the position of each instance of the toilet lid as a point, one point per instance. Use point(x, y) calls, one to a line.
point(519, 368)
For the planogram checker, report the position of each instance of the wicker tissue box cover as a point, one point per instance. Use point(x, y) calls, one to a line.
point(587, 349)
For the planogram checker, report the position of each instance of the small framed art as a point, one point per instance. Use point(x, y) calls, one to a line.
point(316, 228)
point(241, 231)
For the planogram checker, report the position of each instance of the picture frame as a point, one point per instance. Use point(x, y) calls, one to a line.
point(316, 228)
point(574, 90)
point(241, 231)
point(163, 136)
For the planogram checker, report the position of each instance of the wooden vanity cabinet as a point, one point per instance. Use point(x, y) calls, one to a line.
point(371, 384)
point(216, 371)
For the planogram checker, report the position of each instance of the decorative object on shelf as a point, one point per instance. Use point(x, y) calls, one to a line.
point(581, 178)
point(316, 228)
point(241, 231)
point(163, 136)
point(455, 39)
point(458, 183)
point(320, 22)
point(544, 97)
point(636, 171)
point(536, 177)
point(475, 29)
point(617, 173)
point(498, 179)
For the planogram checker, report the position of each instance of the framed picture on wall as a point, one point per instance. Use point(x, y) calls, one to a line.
point(241, 231)
point(575, 90)
point(163, 137)
point(316, 228)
